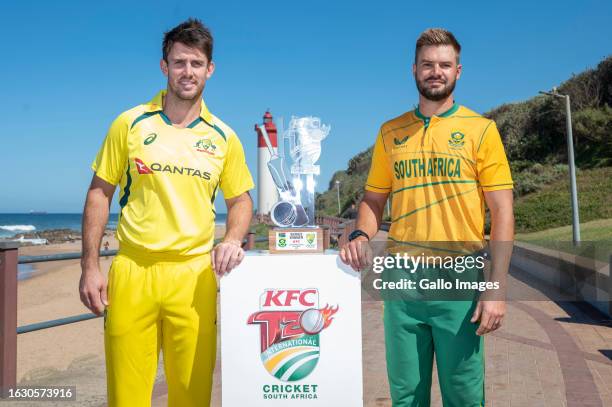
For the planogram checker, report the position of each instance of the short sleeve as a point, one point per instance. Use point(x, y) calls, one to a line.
point(491, 161)
point(111, 161)
point(235, 177)
point(379, 178)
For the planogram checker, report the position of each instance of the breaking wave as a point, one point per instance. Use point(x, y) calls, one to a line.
point(18, 228)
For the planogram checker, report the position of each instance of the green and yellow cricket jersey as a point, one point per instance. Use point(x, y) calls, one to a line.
point(169, 177)
point(436, 169)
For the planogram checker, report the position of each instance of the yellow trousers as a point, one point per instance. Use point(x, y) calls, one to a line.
point(160, 304)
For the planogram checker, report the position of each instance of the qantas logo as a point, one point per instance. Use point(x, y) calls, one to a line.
point(173, 169)
point(142, 168)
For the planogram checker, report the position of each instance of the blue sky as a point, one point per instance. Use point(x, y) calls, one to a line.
point(70, 67)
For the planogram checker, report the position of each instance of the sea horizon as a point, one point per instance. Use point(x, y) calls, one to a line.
point(12, 224)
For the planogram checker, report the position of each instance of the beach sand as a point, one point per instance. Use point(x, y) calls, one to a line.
point(70, 354)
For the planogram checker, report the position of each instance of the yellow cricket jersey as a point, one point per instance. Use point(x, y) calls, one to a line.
point(168, 178)
point(435, 170)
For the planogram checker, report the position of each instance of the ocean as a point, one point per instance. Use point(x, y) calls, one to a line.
point(13, 223)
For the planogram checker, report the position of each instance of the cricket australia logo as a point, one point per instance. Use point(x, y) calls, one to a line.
point(205, 146)
point(456, 140)
point(290, 323)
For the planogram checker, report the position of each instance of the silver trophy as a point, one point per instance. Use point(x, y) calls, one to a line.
point(296, 207)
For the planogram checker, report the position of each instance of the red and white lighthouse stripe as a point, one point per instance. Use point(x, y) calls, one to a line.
point(267, 194)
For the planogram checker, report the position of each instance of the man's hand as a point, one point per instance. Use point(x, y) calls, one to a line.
point(227, 255)
point(92, 289)
point(357, 253)
point(490, 314)
point(93, 284)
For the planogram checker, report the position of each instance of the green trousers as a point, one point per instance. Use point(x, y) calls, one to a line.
point(415, 332)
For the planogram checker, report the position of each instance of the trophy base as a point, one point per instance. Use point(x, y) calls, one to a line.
point(296, 240)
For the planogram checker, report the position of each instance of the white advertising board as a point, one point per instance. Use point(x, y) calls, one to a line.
point(291, 332)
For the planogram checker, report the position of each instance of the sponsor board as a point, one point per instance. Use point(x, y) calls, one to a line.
point(291, 332)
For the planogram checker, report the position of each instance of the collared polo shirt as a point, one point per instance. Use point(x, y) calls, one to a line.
point(435, 170)
point(169, 176)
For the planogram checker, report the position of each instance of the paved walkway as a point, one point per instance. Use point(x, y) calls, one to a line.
point(546, 354)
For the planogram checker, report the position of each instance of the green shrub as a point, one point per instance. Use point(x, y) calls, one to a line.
point(551, 207)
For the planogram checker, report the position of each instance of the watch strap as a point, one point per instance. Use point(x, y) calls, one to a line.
point(356, 233)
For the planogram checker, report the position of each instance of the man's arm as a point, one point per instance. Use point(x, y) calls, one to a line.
point(500, 203)
point(92, 287)
point(369, 218)
point(228, 254)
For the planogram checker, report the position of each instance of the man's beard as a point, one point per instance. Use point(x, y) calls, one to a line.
point(435, 95)
point(186, 96)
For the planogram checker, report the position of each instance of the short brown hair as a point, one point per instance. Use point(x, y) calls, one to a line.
point(191, 33)
point(437, 37)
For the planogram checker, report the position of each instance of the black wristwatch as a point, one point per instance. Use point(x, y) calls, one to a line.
point(356, 233)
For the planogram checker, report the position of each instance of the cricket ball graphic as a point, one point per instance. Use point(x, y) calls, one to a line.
point(312, 321)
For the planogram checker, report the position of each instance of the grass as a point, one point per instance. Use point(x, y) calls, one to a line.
point(544, 218)
point(596, 239)
point(550, 207)
point(590, 231)
point(261, 230)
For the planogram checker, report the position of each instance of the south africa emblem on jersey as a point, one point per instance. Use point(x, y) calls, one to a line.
point(205, 146)
point(456, 140)
point(290, 324)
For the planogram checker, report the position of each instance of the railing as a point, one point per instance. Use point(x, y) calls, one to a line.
point(337, 228)
point(8, 315)
point(9, 260)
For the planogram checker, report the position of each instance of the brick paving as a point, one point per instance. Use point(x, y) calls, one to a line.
point(546, 354)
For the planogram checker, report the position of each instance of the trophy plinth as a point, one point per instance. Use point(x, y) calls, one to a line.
point(296, 240)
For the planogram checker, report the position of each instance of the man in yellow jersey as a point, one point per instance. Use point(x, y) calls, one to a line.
point(439, 163)
point(169, 157)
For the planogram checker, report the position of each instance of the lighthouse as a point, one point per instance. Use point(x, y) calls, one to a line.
point(267, 194)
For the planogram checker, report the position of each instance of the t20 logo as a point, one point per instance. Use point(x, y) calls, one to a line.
point(290, 322)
